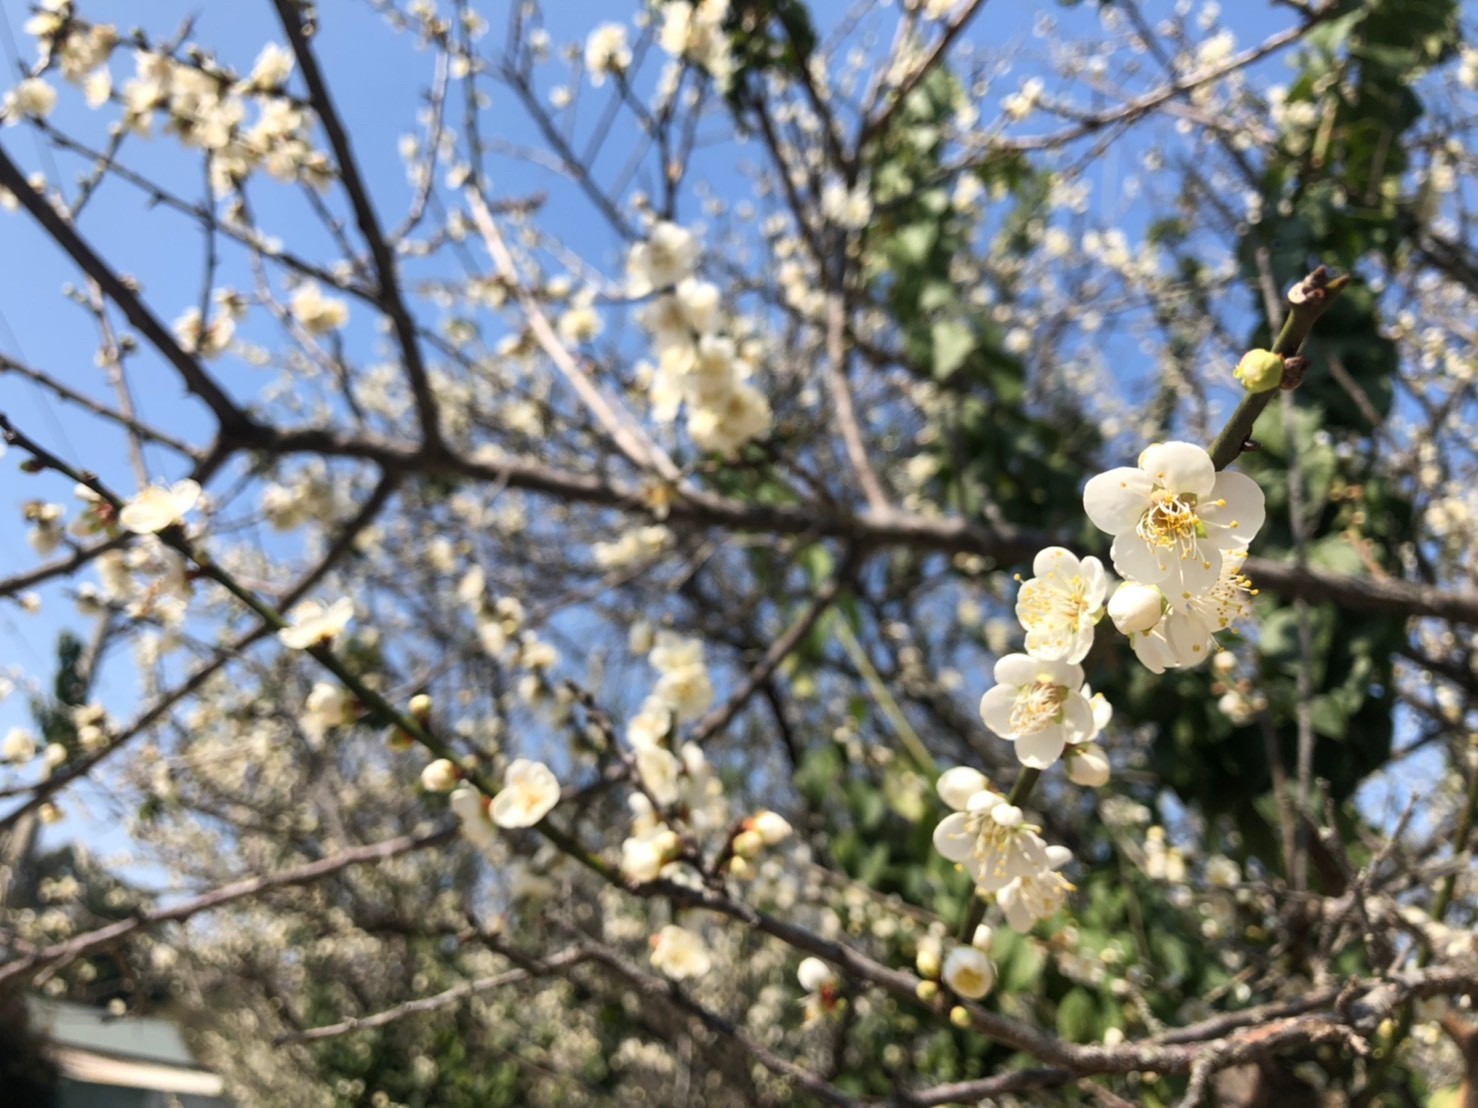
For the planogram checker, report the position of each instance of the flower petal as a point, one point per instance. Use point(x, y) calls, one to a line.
point(1181, 467)
point(1054, 559)
point(995, 709)
point(1040, 749)
point(1077, 719)
point(1235, 511)
point(952, 839)
point(1136, 560)
point(1117, 499)
point(1017, 669)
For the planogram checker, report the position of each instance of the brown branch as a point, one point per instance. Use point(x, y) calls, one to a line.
point(779, 650)
point(369, 225)
point(569, 957)
point(232, 419)
point(1004, 543)
point(81, 945)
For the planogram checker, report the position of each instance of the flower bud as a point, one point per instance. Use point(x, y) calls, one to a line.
point(740, 870)
point(747, 844)
point(956, 786)
point(439, 777)
point(927, 959)
point(1259, 370)
point(1088, 766)
point(813, 973)
point(1135, 608)
point(420, 707)
point(982, 938)
point(959, 1017)
point(771, 826)
point(926, 991)
point(969, 973)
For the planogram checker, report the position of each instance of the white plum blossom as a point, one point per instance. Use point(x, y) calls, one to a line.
point(668, 255)
point(19, 746)
point(606, 52)
point(684, 687)
point(201, 338)
point(1184, 637)
point(33, 97)
point(317, 313)
point(311, 623)
point(969, 972)
point(471, 810)
point(1060, 605)
point(992, 840)
point(1038, 705)
point(659, 770)
point(695, 31)
point(644, 853)
point(1172, 517)
point(679, 953)
point(530, 791)
point(1034, 896)
point(156, 507)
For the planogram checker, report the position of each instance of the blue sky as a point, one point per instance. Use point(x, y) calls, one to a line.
point(377, 78)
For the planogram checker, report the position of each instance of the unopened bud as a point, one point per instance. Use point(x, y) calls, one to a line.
point(927, 991)
point(1088, 766)
point(420, 707)
point(1135, 608)
point(927, 961)
point(959, 1017)
point(747, 844)
point(771, 826)
point(439, 777)
point(1259, 370)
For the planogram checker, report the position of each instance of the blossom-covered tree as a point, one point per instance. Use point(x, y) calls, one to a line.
point(795, 553)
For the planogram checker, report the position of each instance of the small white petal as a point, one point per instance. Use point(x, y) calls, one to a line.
point(1041, 749)
point(1181, 467)
point(956, 786)
point(1116, 500)
point(952, 839)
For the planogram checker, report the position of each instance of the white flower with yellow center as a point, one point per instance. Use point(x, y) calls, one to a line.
point(1035, 896)
point(969, 973)
point(530, 791)
point(1173, 516)
point(992, 840)
point(1060, 605)
point(1184, 638)
point(157, 507)
point(679, 953)
point(1039, 706)
point(310, 623)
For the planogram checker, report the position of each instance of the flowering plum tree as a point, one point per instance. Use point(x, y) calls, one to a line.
point(782, 553)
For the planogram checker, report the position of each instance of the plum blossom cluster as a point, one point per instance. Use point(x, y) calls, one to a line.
point(529, 793)
point(1181, 531)
point(694, 32)
point(700, 364)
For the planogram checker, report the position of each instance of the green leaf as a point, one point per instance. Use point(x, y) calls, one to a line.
point(953, 341)
point(1077, 1016)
